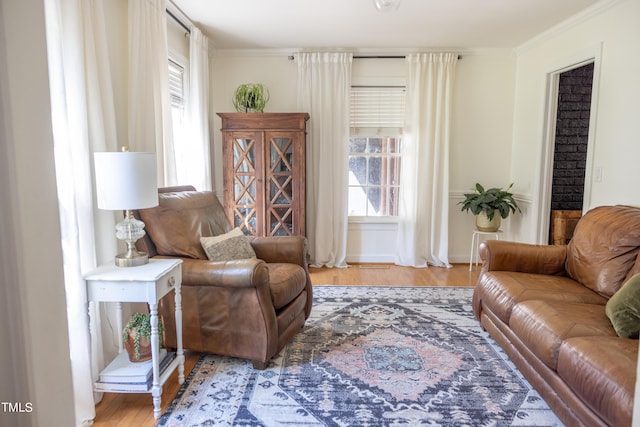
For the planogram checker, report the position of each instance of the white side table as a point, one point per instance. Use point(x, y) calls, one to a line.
point(146, 283)
point(475, 243)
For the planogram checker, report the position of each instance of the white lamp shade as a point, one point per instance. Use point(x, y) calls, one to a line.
point(126, 180)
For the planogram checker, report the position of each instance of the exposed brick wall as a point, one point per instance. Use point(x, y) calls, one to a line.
point(572, 131)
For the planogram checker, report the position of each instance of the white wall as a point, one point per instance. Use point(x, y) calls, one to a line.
point(481, 135)
point(228, 71)
point(31, 257)
point(614, 31)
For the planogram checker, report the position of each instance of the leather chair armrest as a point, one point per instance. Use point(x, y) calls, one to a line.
point(523, 257)
point(242, 273)
point(286, 249)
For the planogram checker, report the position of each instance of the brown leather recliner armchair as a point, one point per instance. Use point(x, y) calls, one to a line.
point(247, 308)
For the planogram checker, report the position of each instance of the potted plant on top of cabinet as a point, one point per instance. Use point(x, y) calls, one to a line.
point(489, 206)
point(250, 97)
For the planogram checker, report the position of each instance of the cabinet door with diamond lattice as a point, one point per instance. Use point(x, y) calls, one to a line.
point(284, 192)
point(243, 193)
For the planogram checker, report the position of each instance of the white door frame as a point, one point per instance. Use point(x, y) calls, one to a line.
point(576, 60)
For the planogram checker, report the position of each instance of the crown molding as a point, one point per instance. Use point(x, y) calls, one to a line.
point(567, 24)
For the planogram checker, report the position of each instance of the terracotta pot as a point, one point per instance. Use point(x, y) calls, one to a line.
point(484, 224)
point(145, 348)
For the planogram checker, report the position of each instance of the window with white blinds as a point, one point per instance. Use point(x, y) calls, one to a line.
point(177, 93)
point(375, 149)
point(379, 108)
point(176, 85)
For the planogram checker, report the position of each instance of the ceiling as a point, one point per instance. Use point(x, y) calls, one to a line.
point(357, 25)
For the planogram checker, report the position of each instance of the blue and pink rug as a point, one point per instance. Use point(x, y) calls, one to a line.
point(369, 356)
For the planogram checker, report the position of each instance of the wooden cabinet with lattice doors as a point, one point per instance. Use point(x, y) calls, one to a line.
point(264, 172)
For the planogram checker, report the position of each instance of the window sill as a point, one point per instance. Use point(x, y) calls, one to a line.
point(373, 220)
point(368, 224)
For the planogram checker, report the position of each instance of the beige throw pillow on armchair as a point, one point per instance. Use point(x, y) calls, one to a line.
point(228, 247)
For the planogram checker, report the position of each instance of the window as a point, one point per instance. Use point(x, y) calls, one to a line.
point(176, 93)
point(374, 176)
point(375, 147)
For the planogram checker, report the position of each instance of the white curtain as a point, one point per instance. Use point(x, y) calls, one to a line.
point(83, 120)
point(424, 195)
point(324, 81)
point(149, 106)
point(198, 159)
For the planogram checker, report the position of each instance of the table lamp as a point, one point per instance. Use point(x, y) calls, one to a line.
point(127, 181)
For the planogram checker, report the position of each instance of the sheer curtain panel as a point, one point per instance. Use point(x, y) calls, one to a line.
point(83, 119)
point(424, 195)
point(324, 81)
point(149, 105)
point(198, 112)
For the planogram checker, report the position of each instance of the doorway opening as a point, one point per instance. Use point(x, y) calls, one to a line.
point(591, 57)
point(572, 123)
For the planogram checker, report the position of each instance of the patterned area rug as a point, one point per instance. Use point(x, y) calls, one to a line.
point(369, 356)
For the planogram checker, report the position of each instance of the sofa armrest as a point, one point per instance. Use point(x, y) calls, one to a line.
point(285, 249)
point(244, 273)
point(522, 257)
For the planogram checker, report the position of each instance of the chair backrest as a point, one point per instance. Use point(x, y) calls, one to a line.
point(183, 215)
point(603, 251)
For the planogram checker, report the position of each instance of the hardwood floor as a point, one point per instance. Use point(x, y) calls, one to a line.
point(124, 409)
point(394, 275)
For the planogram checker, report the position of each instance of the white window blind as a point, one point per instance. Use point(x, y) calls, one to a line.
point(176, 85)
point(377, 107)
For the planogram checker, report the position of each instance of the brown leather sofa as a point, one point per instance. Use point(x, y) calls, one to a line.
point(245, 308)
point(545, 306)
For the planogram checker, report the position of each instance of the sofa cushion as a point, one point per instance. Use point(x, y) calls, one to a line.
point(228, 246)
point(286, 281)
point(544, 325)
point(500, 291)
point(189, 215)
point(604, 247)
point(623, 309)
point(602, 372)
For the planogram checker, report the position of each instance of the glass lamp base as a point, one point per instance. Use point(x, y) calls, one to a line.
point(130, 230)
point(132, 259)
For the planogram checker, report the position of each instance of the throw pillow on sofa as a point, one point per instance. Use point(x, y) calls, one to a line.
point(228, 247)
point(623, 309)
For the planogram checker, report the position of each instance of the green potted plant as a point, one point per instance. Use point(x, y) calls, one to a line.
point(250, 97)
point(137, 336)
point(486, 203)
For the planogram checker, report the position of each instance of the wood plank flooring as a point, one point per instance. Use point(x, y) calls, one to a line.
point(124, 409)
